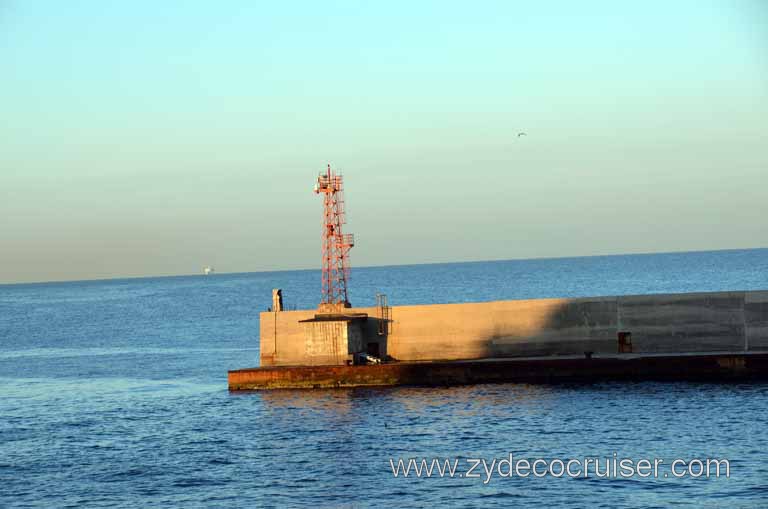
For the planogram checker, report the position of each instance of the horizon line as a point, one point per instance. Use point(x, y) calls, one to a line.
point(123, 278)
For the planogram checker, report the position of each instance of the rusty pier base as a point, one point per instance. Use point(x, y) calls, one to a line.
point(716, 366)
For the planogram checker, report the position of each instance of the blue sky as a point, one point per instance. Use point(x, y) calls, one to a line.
point(147, 138)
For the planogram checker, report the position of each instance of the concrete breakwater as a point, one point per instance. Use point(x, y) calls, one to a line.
point(742, 366)
point(715, 335)
point(668, 323)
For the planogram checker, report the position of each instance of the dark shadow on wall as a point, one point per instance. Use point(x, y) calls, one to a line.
point(669, 323)
point(573, 327)
point(376, 332)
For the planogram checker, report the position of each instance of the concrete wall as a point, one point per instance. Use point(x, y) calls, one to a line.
point(756, 320)
point(326, 343)
point(690, 322)
point(694, 322)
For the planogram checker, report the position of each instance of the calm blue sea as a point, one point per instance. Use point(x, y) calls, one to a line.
point(114, 393)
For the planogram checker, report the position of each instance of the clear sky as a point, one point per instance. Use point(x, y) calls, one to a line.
point(152, 138)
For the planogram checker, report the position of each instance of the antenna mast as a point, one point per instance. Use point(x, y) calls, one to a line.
point(335, 244)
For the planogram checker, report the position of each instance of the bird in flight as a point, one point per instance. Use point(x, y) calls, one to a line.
point(522, 134)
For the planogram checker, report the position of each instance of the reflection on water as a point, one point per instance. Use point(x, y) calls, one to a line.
point(466, 401)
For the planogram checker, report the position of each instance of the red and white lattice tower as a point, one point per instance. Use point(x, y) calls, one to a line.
point(336, 244)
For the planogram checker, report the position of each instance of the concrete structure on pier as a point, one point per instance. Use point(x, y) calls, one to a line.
point(670, 323)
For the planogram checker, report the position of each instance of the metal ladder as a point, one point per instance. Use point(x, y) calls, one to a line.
point(382, 313)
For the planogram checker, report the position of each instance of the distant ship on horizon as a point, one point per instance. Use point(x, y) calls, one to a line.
point(208, 270)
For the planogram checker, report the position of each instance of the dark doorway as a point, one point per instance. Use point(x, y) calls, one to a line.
point(372, 349)
point(625, 342)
